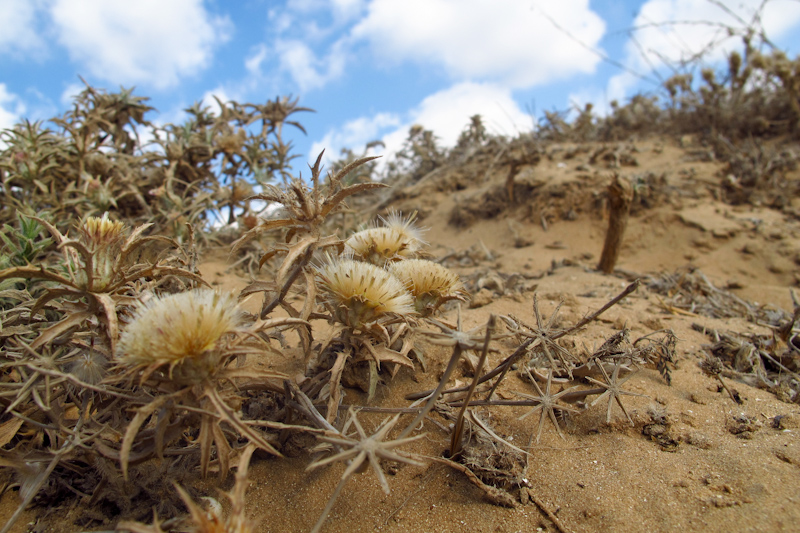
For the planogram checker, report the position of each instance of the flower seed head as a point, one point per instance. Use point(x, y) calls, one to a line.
point(97, 232)
point(396, 240)
point(430, 283)
point(378, 245)
point(180, 330)
point(104, 239)
point(406, 227)
point(360, 293)
point(89, 367)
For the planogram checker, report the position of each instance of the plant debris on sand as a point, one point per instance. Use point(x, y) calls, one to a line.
point(453, 360)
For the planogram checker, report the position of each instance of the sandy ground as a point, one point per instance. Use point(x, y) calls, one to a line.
point(725, 467)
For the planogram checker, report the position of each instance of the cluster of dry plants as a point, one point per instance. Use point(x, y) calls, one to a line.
point(104, 155)
point(123, 373)
point(746, 116)
point(124, 377)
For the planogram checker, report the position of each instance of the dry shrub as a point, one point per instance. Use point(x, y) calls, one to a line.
point(92, 408)
point(94, 161)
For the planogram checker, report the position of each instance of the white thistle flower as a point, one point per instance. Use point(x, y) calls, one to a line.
point(360, 293)
point(180, 330)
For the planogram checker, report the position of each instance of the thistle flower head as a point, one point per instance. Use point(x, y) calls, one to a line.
point(430, 283)
point(103, 239)
point(97, 232)
point(180, 330)
point(378, 245)
point(361, 293)
point(398, 239)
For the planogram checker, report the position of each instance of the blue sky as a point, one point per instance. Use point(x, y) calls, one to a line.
point(370, 68)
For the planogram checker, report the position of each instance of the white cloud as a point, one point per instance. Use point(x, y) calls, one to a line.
point(149, 41)
point(446, 113)
point(669, 32)
point(11, 108)
point(310, 40)
point(672, 31)
point(354, 134)
point(308, 71)
point(507, 41)
point(254, 61)
point(70, 92)
point(515, 43)
point(19, 33)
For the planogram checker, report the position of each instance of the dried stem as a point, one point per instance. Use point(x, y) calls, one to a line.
point(505, 365)
point(620, 197)
point(455, 440)
point(436, 393)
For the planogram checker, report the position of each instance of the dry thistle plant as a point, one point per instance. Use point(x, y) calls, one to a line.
point(95, 161)
point(306, 211)
point(365, 302)
point(98, 270)
point(373, 308)
point(212, 521)
point(183, 346)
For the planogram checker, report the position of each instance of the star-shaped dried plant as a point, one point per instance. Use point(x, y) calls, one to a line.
point(613, 386)
point(361, 451)
point(547, 405)
point(461, 341)
point(458, 338)
point(545, 336)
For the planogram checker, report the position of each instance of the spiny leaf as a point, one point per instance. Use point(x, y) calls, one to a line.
point(331, 203)
point(49, 334)
point(35, 272)
point(298, 250)
point(229, 416)
point(132, 430)
point(334, 394)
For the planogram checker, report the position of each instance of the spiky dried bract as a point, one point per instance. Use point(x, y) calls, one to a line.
point(182, 331)
point(405, 225)
point(104, 239)
point(361, 293)
point(101, 231)
point(430, 283)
